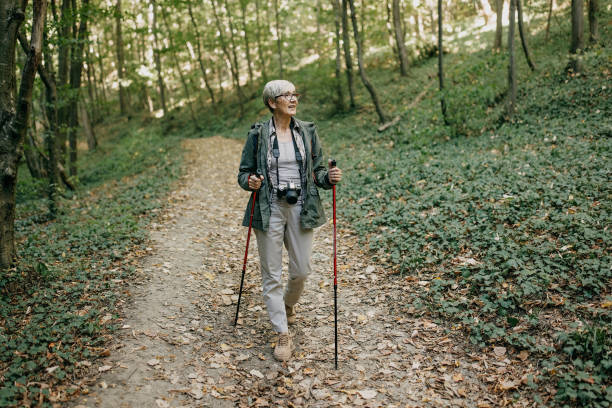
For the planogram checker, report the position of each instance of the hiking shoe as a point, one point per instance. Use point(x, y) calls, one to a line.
point(290, 311)
point(284, 347)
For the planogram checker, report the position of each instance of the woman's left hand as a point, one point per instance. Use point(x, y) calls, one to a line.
point(335, 175)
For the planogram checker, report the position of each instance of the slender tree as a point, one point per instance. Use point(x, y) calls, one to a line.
point(177, 66)
point(15, 106)
point(243, 12)
point(76, 68)
point(593, 25)
point(230, 62)
point(364, 78)
point(337, 18)
point(530, 62)
point(499, 8)
point(102, 74)
point(348, 60)
point(200, 57)
point(158, 62)
point(486, 10)
point(260, 50)
point(123, 105)
point(63, 72)
point(92, 89)
point(550, 10)
point(389, 24)
point(511, 62)
point(399, 38)
point(279, 39)
point(441, 65)
point(577, 42)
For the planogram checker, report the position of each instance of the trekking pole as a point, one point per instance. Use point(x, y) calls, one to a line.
point(246, 251)
point(332, 164)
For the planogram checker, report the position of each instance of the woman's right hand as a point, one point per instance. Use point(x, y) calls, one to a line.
point(255, 182)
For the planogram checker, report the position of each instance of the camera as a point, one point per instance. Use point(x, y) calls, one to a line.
point(289, 191)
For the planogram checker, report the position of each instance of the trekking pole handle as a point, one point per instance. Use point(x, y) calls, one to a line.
point(332, 163)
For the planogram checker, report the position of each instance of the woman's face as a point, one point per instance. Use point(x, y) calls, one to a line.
point(285, 103)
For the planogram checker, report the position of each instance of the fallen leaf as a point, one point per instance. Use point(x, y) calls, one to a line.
point(457, 377)
point(256, 373)
point(523, 355)
point(508, 385)
point(319, 394)
point(499, 351)
point(368, 394)
point(104, 368)
point(153, 362)
point(161, 403)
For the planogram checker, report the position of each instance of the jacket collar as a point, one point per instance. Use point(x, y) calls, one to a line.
point(294, 125)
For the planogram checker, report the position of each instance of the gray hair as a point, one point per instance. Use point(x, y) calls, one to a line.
point(275, 88)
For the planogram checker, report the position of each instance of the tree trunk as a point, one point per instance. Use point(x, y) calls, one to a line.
point(279, 41)
point(76, 68)
point(92, 142)
point(366, 82)
point(15, 108)
point(418, 24)
point(399, 38)
point(243, 6)
point(339, 93)
point(577, 44)
point(233, 69)
point(392, 42)
point(593, 24)
point(102, 75)
point(32, 156)
point(487, 12)
point(348, 60)
point(200, 59)
point(52, 134)
point(499, 11)
point(550, 10)
point(177, 66)
point(92, 89)
point(63, 71)
point(123, 105)
point(441, 65)
point(158, 65)
point(262, 61)
point(230, 20)
point(511, 63)
point(530, 62)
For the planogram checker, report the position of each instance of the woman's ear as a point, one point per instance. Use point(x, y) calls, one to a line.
point(272, 103)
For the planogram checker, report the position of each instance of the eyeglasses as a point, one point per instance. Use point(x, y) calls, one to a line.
point(289, 96)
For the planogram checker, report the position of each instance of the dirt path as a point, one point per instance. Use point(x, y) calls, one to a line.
point(178, 348)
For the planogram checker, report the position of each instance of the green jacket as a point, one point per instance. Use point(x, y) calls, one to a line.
point(255, 157)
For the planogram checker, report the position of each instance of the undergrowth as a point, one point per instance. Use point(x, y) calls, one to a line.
point(54, 306)
point(506, 223)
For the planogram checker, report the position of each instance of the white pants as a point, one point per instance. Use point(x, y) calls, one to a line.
point(284, 228)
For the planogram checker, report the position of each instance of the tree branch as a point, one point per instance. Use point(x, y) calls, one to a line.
point(42, 72)
point(24, 100)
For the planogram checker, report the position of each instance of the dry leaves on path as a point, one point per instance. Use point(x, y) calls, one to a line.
point(179, 348)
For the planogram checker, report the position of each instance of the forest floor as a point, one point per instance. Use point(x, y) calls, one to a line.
point(177, 347)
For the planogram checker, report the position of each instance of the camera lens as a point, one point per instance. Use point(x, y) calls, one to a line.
point(292, 196)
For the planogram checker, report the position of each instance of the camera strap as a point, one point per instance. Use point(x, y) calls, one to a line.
point(276, 154)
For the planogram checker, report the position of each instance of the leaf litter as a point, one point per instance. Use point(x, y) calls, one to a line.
point(390, 354)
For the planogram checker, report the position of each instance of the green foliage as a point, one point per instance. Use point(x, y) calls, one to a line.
point(505, 221)
point(71, 269)
point(584, 379)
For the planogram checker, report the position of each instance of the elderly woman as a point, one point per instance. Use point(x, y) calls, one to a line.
point(283, 161)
